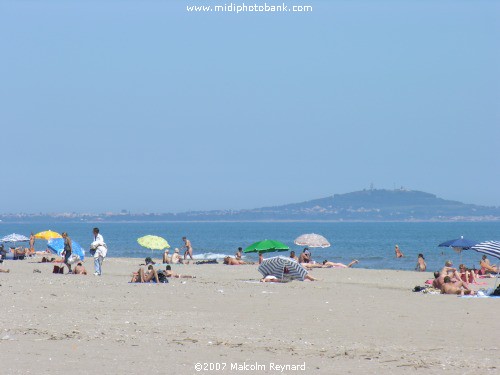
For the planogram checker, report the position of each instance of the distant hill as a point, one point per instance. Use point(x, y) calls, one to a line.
point(364, 205)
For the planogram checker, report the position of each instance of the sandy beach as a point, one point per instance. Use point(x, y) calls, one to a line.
point(353, 321)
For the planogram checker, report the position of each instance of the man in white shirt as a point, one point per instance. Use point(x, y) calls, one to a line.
point(99, 250)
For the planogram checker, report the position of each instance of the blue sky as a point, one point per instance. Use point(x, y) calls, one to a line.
point(140, 105)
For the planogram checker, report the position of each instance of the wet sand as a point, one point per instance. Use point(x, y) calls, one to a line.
point(353, 321)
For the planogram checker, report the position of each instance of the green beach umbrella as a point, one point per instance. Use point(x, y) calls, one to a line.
point(266, 246)
point(153, 242)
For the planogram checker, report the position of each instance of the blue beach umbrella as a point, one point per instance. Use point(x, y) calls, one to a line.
point(461, 243)
point(57, 246)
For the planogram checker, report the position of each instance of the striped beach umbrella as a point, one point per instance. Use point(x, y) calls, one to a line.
point(312, 240)
point(488, 247)
point(282, 267)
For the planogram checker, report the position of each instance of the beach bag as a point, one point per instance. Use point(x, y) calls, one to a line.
point(496, 292)
point(162, 278)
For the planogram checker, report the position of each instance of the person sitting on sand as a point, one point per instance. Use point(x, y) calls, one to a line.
point(3, 252)
point(455, 288)
point(234, 262)
point(327, 264)
point(18, 252)
point(176, 258)
point(438, 281)
point(166, 257)
point(305, 256)
point(239, 254)
point(486, 267)
point(398, 252)
point(421, 265)
point(80, 269)
point(293, 256)
point(448, 270)
point(466, 275)
point(169, 273)
point(145, 277)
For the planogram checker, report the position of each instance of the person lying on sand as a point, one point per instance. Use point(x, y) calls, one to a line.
point(80, 269)
point(145, 277)
point(4, 271)
point(270, 279)
point(234, 262)
point(274, 279)
point(169, 273)
point(327, 264)
point(455, 288)
point(486, 267)
point(47, 260)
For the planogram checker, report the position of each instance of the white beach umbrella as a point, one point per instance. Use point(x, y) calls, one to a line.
point(312, 240)
point(14, 237)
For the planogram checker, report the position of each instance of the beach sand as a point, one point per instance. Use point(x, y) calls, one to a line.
point(353, 321)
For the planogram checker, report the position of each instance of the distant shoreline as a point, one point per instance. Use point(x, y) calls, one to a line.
point(490, 220)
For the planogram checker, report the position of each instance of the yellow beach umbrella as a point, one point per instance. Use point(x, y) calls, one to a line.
point(47, 235)
point(153, 242)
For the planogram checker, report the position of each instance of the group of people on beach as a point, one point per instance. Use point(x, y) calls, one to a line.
point(98, 250)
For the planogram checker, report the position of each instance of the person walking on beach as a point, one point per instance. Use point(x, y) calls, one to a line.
point(68, 249)
point(99, 250)
point(398, 252)
point(189, 248)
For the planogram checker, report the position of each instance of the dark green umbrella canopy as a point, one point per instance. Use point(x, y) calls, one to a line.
point(266, 246)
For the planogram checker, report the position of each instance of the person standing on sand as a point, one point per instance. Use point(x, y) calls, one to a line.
point(189, 248)
point(68, 249)
point(32, 243)
point(261, 257)
point(398, 252)
point(99, 250)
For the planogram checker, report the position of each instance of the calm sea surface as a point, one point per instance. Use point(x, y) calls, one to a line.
point(371, 243)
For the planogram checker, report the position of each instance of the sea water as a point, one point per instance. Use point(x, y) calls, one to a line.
point(370, 243)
